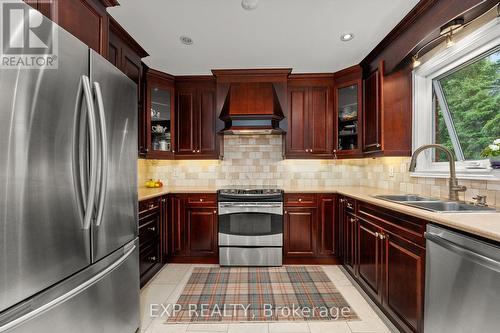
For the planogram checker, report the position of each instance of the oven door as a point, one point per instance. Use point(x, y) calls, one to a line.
point(250, 224)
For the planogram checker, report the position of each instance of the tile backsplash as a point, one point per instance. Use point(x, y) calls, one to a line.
point(257, 160)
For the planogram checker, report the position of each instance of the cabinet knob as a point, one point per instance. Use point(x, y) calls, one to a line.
point(164, 200)
point(377, 235)
point(151, 228)
point(153, 258)
point(342, 200)
point(198, 151)
point(151, 206)
point(215, 212)
point(286, 212)
point(194, 151)
point(353, 220)
point(378, 145)
point(349, 205)
point(300, 199)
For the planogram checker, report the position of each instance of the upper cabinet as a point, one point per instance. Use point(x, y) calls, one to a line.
point(348, 112)
point(85, 19)
point(310, 116)
point(195, 110)
point(159, 115)
point(373, 112)
point(126, 54)
point(387, 112)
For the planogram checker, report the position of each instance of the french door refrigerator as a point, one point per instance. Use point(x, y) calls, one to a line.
point(68, 196)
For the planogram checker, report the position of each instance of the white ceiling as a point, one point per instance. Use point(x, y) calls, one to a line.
point(301, 34)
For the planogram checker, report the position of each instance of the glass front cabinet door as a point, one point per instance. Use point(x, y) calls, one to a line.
point(348, 111)
point(160, 114)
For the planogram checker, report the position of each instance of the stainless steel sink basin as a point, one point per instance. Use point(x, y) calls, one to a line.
point(435, 205)
point(404, 198)
point(450, 207)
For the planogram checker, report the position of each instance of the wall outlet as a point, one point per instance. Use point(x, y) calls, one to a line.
point(391, 171)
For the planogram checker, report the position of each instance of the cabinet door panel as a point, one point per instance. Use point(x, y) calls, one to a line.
point(300, 231)
point(328, 236)
point(87, 21)
point(177, 233)
point(369, 256)
point(372, 127)
point(208, 135)
point(404, 281)
point(202, 231)
point(350, 241)
point(320, 117)
point(297, 136)
point(186, 114)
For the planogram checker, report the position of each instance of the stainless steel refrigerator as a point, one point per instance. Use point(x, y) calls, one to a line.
point(68, 196)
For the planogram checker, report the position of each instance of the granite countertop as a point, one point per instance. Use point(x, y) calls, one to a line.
point(486, 225)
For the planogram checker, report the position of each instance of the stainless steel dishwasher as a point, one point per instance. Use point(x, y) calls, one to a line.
point(462, 291)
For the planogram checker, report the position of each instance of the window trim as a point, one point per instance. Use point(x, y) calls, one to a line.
point(470, 47)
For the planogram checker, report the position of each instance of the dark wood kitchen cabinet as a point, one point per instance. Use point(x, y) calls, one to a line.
point(196, 136)
point(152, 237)
point(389, 248)
point(310, 116)
point(369, 251)
point(348, 237)
point(311, 234)
point(328, 229)
point(373, 111)
point(85, 19)
point(348, 113)
point(202, 231)
point(300, 232)
point(159, 115)
point(126, 54)
point(193, 228)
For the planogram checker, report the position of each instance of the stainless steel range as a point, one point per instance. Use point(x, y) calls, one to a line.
point(250, 227)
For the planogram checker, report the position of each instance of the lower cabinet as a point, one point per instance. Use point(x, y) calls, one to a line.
point(311, 234)
point(152, 214)
point(300, 232)
point(385, 254)
point(193, 228)
point(201, 231)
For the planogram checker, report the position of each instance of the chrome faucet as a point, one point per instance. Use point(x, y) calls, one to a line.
point(454, 188)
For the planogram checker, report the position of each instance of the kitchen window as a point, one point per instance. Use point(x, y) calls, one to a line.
point(456, 103)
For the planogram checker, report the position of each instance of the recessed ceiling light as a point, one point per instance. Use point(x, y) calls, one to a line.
point(345, 37)
point(186, 40)
point(249, 4)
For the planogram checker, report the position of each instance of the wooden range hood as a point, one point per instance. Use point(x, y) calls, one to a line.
point(252, 101)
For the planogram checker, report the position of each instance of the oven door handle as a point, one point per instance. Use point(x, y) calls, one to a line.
point(235, 208)
point(252, 204)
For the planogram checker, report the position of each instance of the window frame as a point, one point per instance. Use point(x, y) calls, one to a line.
point(469, 48)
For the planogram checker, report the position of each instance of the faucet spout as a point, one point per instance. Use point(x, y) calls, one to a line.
point(454, 188)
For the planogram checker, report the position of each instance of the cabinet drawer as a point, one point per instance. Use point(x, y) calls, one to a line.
point(202, 199)
point(149, 206)
point(349, 204)
point(149, 256)
point(405, 226)
point(149, 229)
point(300, 200)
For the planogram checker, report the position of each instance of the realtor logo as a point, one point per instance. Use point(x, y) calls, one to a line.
point(28, 39)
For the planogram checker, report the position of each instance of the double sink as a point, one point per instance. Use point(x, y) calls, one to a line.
point(436, 205)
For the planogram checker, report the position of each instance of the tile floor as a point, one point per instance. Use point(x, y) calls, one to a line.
point(167, 286)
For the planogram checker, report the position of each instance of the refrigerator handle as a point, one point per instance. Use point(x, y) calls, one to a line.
point(87, 219)
point(104, 154)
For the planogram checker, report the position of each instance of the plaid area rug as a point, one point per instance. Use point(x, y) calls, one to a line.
point(288, 293)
